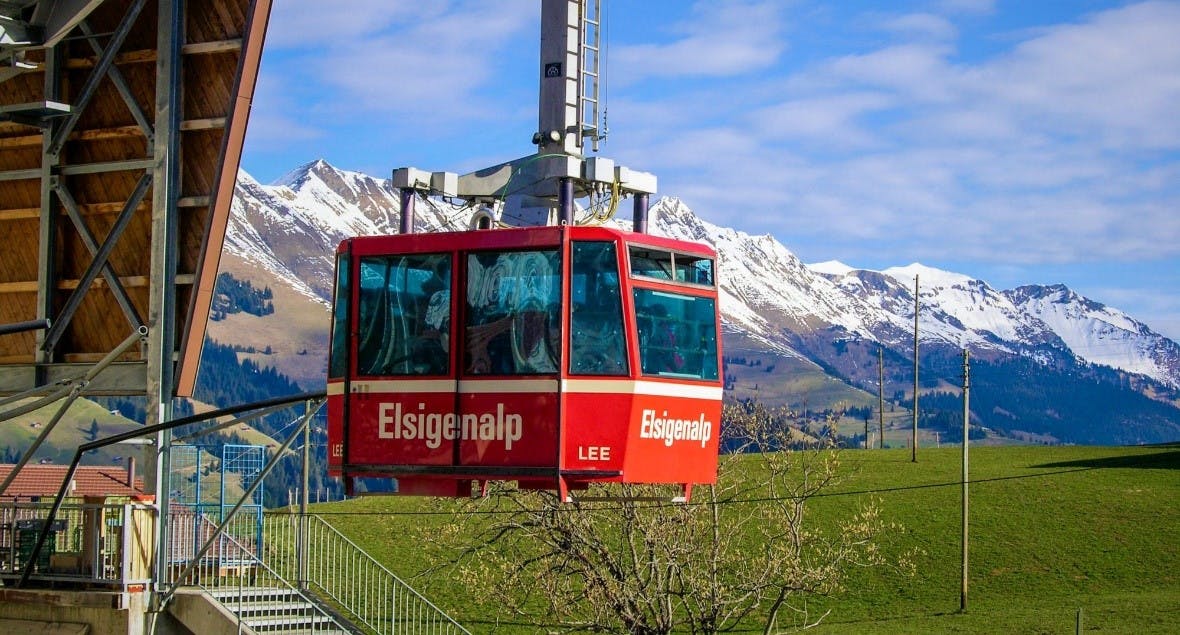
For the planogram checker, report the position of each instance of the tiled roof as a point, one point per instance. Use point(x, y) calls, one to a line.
point(89, 480)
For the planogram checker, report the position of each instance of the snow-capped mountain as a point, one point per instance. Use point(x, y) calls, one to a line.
point(957, 310)
point(818, 312)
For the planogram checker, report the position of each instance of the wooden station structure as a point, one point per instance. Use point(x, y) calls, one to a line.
point(121, 129)
point(121, 132)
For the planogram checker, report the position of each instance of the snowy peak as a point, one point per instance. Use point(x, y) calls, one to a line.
point(301, 174)
point(928, 276)
point(293, 226)
point(833, 268)
point(1100, 334)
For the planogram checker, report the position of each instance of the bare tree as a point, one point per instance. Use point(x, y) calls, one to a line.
point(740, 553)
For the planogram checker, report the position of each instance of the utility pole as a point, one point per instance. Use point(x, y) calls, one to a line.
point(966, 426)
point(867, 446)
point(881, 393)
point(914, 436)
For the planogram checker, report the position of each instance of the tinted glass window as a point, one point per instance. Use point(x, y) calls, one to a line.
point(649, 262)
point(677, 334)
point(596, 312)
point(338, 352)
point(405, 315)
point(513, 324)
point(694, 269)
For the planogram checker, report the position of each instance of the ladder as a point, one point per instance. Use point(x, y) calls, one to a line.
point(589, 56)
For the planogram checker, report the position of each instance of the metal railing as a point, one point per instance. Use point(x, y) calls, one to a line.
point(234, 571)
point(103, 543)
point(308, 549)
point(298, 572)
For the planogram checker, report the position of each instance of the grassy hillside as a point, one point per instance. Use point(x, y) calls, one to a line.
point(74, 429)
point(1053, 529)
point(297, 331)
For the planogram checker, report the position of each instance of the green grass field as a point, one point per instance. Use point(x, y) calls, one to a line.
point(1052, 530)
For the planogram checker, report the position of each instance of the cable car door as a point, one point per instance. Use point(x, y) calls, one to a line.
point(511, 350)
point(401, 400)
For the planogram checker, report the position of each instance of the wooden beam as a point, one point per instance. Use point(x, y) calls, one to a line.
point(205, 48)
point(146, 56)
point(22, 213)
point(211, 123)
point(22, 141)
point(88, 209)
point(106, 134)
point(90, 358)
point(98, 134)
point(99, 283)
point(69, 285)
point(194, 201)
point(26, 286)
point(18, 287)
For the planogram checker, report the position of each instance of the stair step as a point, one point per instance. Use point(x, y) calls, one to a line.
point(276, 622)
point(278, 608)
point(256, 595)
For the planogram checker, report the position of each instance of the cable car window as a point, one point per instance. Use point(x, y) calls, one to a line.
point(596, 313)
point(677, 334)
point(694, 269)
point(337, 352)
point(405, 315)
point(665, 265)
point(651, 263)
point(513, 324)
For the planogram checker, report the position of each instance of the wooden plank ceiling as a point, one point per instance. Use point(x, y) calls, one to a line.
point(104, 167)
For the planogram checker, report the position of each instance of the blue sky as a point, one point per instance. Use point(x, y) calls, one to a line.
point(1016, 142)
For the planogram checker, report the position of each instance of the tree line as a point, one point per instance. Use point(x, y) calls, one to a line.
point(239, 296)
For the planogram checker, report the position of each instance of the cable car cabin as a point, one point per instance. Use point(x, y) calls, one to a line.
point(552, 356)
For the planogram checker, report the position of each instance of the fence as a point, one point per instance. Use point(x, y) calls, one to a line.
point(297, 571)
point(93, 541)
point(335, 568)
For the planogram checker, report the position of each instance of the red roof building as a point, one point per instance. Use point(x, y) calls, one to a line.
point(44, 481)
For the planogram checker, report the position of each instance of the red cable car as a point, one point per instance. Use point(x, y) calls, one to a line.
point(554, 356)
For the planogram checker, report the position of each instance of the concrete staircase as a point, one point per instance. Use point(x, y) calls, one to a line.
point(278, 610)
point(254, 610)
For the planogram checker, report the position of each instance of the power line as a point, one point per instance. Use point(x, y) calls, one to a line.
point(733, 501)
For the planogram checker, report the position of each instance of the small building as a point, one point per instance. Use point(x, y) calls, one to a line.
point(104, 515)
point(42, 482)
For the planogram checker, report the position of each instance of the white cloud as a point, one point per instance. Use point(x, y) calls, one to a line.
point(1060, 150)
point(421, 65)
point(311, 24)
point(972, 7)
point(922, 26)
point(1114, 78)
point(828, 120)
point(277, 124)
point(720, 38)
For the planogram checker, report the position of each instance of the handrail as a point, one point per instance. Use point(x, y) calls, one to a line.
point(367, 592)
point(139, 432)
point(335, 533)
point(245, 495)
point(256, 558)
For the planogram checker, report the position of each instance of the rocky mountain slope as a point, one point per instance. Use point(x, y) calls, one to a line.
point(825, 316)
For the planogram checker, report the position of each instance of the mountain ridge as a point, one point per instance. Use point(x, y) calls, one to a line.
point(817, 313)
